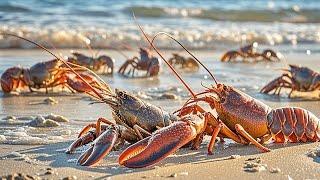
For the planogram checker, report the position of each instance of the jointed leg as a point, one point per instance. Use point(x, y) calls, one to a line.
point(246, 135)
point(139, 129)
point(213, 137)
point(96, 125)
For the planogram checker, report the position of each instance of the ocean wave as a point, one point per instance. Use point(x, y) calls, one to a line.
point(193, 36)
point(13, 8)
point(291, 15)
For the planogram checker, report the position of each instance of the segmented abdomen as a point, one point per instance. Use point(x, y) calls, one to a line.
point(293, 125)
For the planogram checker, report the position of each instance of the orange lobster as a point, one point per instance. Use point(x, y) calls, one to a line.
point(46, 75)
point(239, 117)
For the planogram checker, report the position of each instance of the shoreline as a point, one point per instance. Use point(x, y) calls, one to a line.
point(291, 159)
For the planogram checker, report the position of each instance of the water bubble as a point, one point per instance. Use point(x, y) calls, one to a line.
point(271, 4)
point(308, 52)
point(296, 8)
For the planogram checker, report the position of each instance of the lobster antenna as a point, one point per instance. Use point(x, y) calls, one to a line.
point(42, 47)
point(171, 37)
point(87, 42)
point(87, 69)
point(123, 54)
point(83, 68)
point(172, 68)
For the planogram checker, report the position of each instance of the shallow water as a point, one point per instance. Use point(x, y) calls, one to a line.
point(245, 76)
point(210, 24)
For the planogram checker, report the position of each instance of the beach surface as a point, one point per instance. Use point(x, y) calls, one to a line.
point(32, 151)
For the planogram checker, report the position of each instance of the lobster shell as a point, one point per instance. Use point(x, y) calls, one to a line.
point(293, 124)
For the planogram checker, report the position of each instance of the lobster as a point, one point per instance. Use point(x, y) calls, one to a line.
point(134, 118)
point(102, 64)
point(250, 51)
point(48, 74)
point(147, 63)
point(183, 63)
point(297, 78)
point(239, 117)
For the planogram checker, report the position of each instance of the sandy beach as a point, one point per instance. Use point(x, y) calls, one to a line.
point(42, 156)
point(226, 163)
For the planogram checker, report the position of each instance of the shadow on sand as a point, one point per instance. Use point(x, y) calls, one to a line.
point(110, 167)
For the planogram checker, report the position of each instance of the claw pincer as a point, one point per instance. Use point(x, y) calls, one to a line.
point(85, 139)
point(162, 143)
point(100, 148)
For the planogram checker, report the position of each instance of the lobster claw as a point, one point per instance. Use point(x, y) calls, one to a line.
point(85, 139)
point(100, 148)
point(159, 145)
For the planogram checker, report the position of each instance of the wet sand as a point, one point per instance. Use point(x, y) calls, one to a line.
point(291, 159)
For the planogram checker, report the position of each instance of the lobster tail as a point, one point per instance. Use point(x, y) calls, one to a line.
point(293, 124)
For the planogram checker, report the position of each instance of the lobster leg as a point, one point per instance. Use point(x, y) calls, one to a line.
point(97, 126)
point(212, 121)
point(139, 129)
point(213, 137)
point(246, 135)
point(273, 85)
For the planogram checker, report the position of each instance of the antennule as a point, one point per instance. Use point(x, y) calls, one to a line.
point(171, 37)
point(174, 71)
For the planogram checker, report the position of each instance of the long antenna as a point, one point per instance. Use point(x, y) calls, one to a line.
point(87, 42)
point(42, 47)
point(171, 37)
point(175, 72)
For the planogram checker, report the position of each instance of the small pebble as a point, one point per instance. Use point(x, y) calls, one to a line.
point(9, 117)
point(168, 96)
point(48, 172)
point(184, 173)
point(275, 170)
point(255, 166)
point(50, 101)
point(255, 169)
point(70, 178)
point(174, 175)
point(19, 176)
point(2, 138)
point(251, 165)
point(57, 118)
point(40, 121)
point(235, 156)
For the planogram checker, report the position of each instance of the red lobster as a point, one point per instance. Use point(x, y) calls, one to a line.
point(297, 78)
point(239, 117)
point(48, 74)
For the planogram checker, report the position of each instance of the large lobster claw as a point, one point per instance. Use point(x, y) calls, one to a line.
point(85, 139)
point(160, 144)
point(100, 148)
